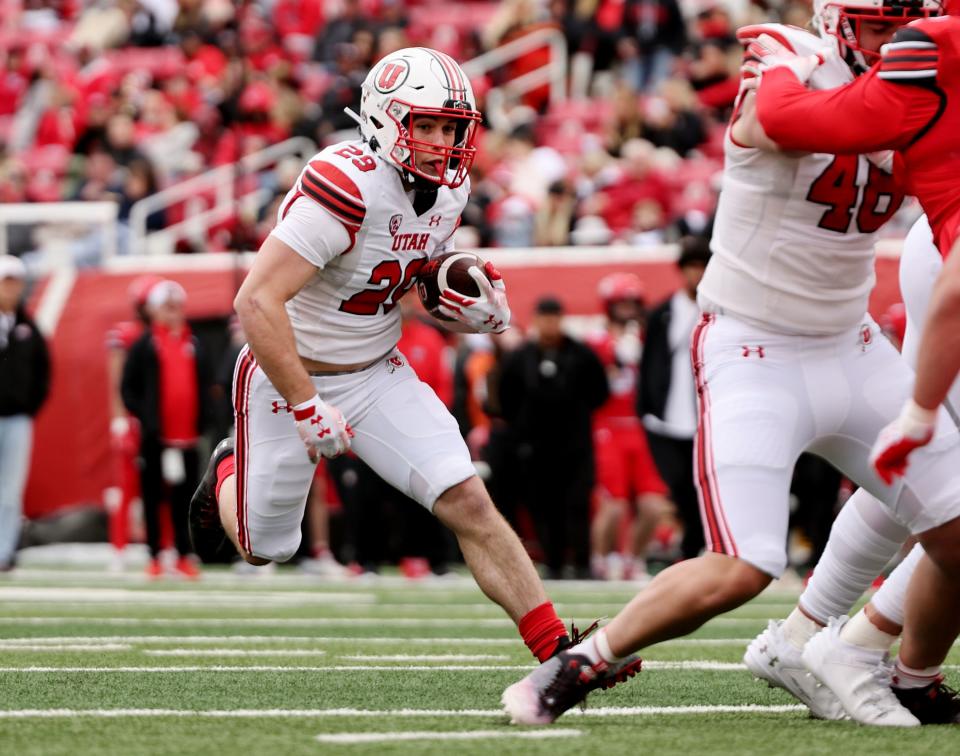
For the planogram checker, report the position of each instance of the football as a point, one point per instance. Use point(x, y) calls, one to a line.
point(449, 271)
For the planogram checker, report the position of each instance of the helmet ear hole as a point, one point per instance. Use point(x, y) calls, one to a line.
point(376, 123)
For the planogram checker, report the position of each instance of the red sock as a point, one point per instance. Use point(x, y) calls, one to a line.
point(542, 630)
point(226, 468)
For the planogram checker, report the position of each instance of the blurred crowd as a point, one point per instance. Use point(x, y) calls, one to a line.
point(115, 99)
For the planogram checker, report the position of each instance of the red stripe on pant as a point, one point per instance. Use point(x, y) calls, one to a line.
point(246, 366)
point(716, 528)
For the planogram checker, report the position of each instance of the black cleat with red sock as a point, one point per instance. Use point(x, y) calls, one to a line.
point(935, 703)
point(210, 541)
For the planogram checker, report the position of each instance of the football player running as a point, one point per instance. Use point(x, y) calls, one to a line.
point(321, 373)
point(786, 360)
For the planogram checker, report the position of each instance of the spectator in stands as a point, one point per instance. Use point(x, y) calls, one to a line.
point(340, 30)
point(671, 118)
point(659, 35)
point(667, 400)
point(121, 139)
point(343, 92)
point(139, 181)
point(548, 390)
point(554, 218)
point(24, 383)
point(103, 25)
point(714, 73)
point(93, 134)
point(639, 180)
point(166, 386)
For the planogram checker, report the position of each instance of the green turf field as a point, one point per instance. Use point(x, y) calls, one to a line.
point(289, 664)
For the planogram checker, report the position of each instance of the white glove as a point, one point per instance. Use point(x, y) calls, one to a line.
point(764, 53)
point(321, 426)
point(912, 429)
point(488, 314)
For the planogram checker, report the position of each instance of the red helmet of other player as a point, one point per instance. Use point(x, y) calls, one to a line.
point(622, 295)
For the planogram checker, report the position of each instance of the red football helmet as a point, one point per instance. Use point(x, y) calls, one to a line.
point(617, 287)
point(842, 19)
point(623, 297)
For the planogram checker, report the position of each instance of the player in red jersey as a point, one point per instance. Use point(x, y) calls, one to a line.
point(124, 428)
point(625, 469)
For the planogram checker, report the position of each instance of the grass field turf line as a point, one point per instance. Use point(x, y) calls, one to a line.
point(693, 698)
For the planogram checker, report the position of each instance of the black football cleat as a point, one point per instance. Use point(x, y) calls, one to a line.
point(935, 703)
point(559, 684)
point(614, 674)
point(209, 539)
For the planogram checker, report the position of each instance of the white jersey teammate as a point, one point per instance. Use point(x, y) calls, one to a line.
point(786, 360)
point(321, 373)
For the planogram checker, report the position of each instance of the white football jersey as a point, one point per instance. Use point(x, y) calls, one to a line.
point(793, 240)
point(350, 216)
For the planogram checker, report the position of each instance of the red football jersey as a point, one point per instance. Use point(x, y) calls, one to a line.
point(909, 102)
point(622, 378)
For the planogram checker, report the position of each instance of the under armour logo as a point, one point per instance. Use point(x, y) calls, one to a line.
point(322, 430)
point(492, 321)
point(435, 220)
point(277, 406)
point(758, 350)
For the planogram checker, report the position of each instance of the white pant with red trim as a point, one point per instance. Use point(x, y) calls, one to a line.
point(766, 397)
point(401, 429)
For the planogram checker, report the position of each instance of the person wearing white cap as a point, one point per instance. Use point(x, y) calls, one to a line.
point(24, 384)
point(165, 385)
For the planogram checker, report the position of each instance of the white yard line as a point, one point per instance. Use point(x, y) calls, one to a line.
point(200, 639)
point(7, 646)
point(424, 657)
point(282, 668)
point(266, 621)
point(35, 595)
point(700, 666)
point(348, 738)
point(615, 711)
point(235, 652)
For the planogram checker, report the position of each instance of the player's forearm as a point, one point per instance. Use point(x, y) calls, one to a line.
point(836, 121)
point(939, 359)
point(271, 340)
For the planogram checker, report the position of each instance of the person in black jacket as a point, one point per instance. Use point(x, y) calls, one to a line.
point(166, 386)
point(549, 389)
point(24, 384)
point(667, 400)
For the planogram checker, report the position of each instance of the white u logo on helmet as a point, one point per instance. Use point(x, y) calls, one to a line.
point(414, 84)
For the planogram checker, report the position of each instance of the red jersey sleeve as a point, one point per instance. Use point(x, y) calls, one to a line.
point(869, 114)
